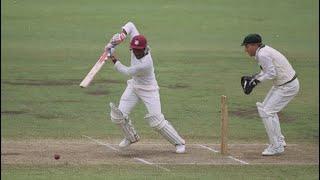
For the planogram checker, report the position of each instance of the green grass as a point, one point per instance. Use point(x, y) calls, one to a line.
point(147, 172)
point(195, 45)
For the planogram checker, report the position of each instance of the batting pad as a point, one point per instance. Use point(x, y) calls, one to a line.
point(164, 128)
point(124, 123)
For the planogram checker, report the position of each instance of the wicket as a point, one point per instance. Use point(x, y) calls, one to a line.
point(224, 125)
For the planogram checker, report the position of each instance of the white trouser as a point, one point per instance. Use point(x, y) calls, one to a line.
point(151, 99)
point(277, 98)
point(131, 96)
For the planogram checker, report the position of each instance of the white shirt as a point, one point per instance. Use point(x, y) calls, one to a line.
point(275, 66)
point(141, 70)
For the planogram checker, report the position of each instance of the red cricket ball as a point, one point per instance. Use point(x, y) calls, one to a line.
point(56, 156)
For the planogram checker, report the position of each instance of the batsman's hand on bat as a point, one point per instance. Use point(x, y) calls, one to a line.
point(115, 40)
point(248, 83)
point(113, 58)
point(118, 38)
point(109, 52)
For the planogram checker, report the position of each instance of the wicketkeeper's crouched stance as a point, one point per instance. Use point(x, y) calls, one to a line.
point(143, 86)
point(276, 67)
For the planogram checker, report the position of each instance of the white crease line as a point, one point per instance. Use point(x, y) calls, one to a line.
point(210, 149)
point(231, 157)
point(242, 162)
point(104, 144)
point(151, 163)
point(143, 144)
point(254, 144)
point(144, 161)
point(115, 149)
point(196, 163)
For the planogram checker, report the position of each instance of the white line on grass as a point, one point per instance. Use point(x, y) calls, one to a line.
point(135, 158)
point(210, 149)
point(197, 163)
point(231, 157)
point(101, 143)
point(151, 163)
point(254, 144)
point(157, 165)
point(144, 161)
point(242, 162)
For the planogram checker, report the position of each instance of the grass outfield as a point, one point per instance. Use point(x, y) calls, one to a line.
point(145, 172)
point(49, 46)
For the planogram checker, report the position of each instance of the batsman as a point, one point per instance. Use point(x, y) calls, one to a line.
point(274, 66)
point(142, 86)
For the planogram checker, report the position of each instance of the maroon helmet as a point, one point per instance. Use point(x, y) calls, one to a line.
point(138, 42)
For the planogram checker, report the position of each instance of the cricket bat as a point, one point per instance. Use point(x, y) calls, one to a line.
point(95, 69)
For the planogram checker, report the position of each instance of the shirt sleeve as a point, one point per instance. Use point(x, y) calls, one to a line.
point(258, 74)
point(268, 71)
point(131, 29)
point(132, 70)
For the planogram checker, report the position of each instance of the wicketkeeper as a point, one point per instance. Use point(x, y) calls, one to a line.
point(274, 66)
point(143, 86)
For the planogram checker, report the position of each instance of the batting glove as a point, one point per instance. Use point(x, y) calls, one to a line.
point(118, 38)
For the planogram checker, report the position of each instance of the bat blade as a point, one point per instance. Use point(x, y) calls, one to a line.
point(94, 70)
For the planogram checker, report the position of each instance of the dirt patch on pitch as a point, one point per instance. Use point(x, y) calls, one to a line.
point(33, 82)
point(92, 152)
point(67, 101)
point(13, 112)
point(294, 154)
point(62, 82)
point(283, 117)
point(110, 81)
point(177, 86)
point(98, 92)
point(245, 113)
point(252, 113)
point(46, 116)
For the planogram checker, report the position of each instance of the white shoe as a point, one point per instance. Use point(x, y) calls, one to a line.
point(271, 150)
point(125, 143)
point(269, 147)
point(180, 149)
point(282, 141)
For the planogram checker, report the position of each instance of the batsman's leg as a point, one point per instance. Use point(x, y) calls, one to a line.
point(120, 116)
point(156, 120)
point(124, 123)
point(164, 127)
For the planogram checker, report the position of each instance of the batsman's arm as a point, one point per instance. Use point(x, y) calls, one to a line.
point(132, 70)
point(130, 29)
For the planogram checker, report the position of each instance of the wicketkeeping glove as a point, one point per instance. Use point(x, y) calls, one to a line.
point(248, 83)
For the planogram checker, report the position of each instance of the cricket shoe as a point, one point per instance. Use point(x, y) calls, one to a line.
point(180, 149)
point(125, 143)
point(271, 150)
point(282, 141)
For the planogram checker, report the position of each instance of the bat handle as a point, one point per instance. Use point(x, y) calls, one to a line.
point(110, 52)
